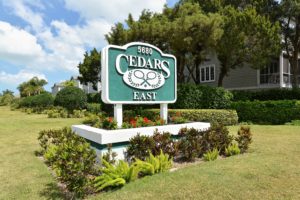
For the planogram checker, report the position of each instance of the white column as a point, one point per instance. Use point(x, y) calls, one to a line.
point(164, 112)
point(118, 114)
point(281, 69)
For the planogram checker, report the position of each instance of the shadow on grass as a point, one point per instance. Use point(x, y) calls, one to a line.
point(52, 191)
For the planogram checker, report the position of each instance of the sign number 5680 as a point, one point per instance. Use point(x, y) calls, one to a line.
point(144, 50)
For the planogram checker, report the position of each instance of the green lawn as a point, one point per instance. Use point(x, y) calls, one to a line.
point(271, 170)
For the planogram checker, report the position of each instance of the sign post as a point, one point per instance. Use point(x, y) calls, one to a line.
point(138, 73)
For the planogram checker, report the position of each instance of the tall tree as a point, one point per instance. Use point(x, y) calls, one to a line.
point(90, 68)
point(32, 87)
point(248, 38)
point(290, 26)
point(184, 31)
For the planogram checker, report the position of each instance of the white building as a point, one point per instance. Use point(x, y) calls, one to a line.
point(87, 88)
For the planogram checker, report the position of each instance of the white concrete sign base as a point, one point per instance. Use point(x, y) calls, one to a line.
point(103, 137)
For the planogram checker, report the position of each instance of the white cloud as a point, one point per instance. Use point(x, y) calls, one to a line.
point(17, 45)
point(21, 8)
point(20, 77)
point(59, 46)
point(113, 10)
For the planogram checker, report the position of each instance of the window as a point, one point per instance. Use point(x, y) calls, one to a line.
point(207, 73)
point(270, 74)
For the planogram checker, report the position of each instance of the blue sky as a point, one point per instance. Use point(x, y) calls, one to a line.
point(48, 38)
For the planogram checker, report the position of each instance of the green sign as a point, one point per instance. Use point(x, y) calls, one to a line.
point(137, 73)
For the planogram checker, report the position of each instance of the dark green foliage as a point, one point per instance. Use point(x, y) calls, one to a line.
point(267, 112)
point(109, 123)
point(141, 146)
point(94, 98)
point(43, 100)
point(226, 117)
point(266, 95)
point(191, 96)
point(90, 68)
point(71, 98)
point(244, 138)
point(94, 108)
point(71, 158)
point(190, 145)
point(217, 137)
point(195, 143)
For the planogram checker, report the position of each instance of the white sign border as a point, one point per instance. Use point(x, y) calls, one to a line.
point(104, 74)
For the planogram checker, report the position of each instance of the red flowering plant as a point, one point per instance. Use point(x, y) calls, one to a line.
point(178, 119)
point(141, 122)
point(109, 123)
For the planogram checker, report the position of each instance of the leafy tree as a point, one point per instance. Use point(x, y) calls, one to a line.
point(69, 83)
point(184, 31)
point(290, 26)
point(32, 87)
point(249, 35)
point(6, 98)
point(247, 38)
point(90, 68)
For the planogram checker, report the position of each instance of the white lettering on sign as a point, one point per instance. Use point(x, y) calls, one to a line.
point(143, 96)
point(147, 73)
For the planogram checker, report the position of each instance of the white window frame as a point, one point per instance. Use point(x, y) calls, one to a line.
point(207, 67)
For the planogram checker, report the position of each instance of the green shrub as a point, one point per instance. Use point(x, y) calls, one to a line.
point(77, 114)
point(94, 108)
point(244, 138)
point(6, 99)
point(191, 96)
point(211, 155)
point(194, 143)
point(190, 144)
point(57, 112)
point(71, 158)
point(109, 123)
point(266, 95)
point(267, 112)
point(232, 150)
point(71, 98)
point(294, 123)
point(225, 117)
point(93, 120)
point(142, 146)
point(43, 100)
point(115, 175)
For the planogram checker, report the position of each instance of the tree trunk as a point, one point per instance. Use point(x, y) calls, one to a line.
point(294, 69)
point(223, 72)
point(197, 63)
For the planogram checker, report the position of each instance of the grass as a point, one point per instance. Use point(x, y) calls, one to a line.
point(22, 174)
point(269, 171)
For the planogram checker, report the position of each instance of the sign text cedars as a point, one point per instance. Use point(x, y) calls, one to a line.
point(138, 73)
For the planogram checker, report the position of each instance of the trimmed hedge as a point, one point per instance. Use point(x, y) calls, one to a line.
point(225, 117)
point(71, 98)
point(191, 96)
point(42, 101)
point(267, 112)
point(265, 95)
